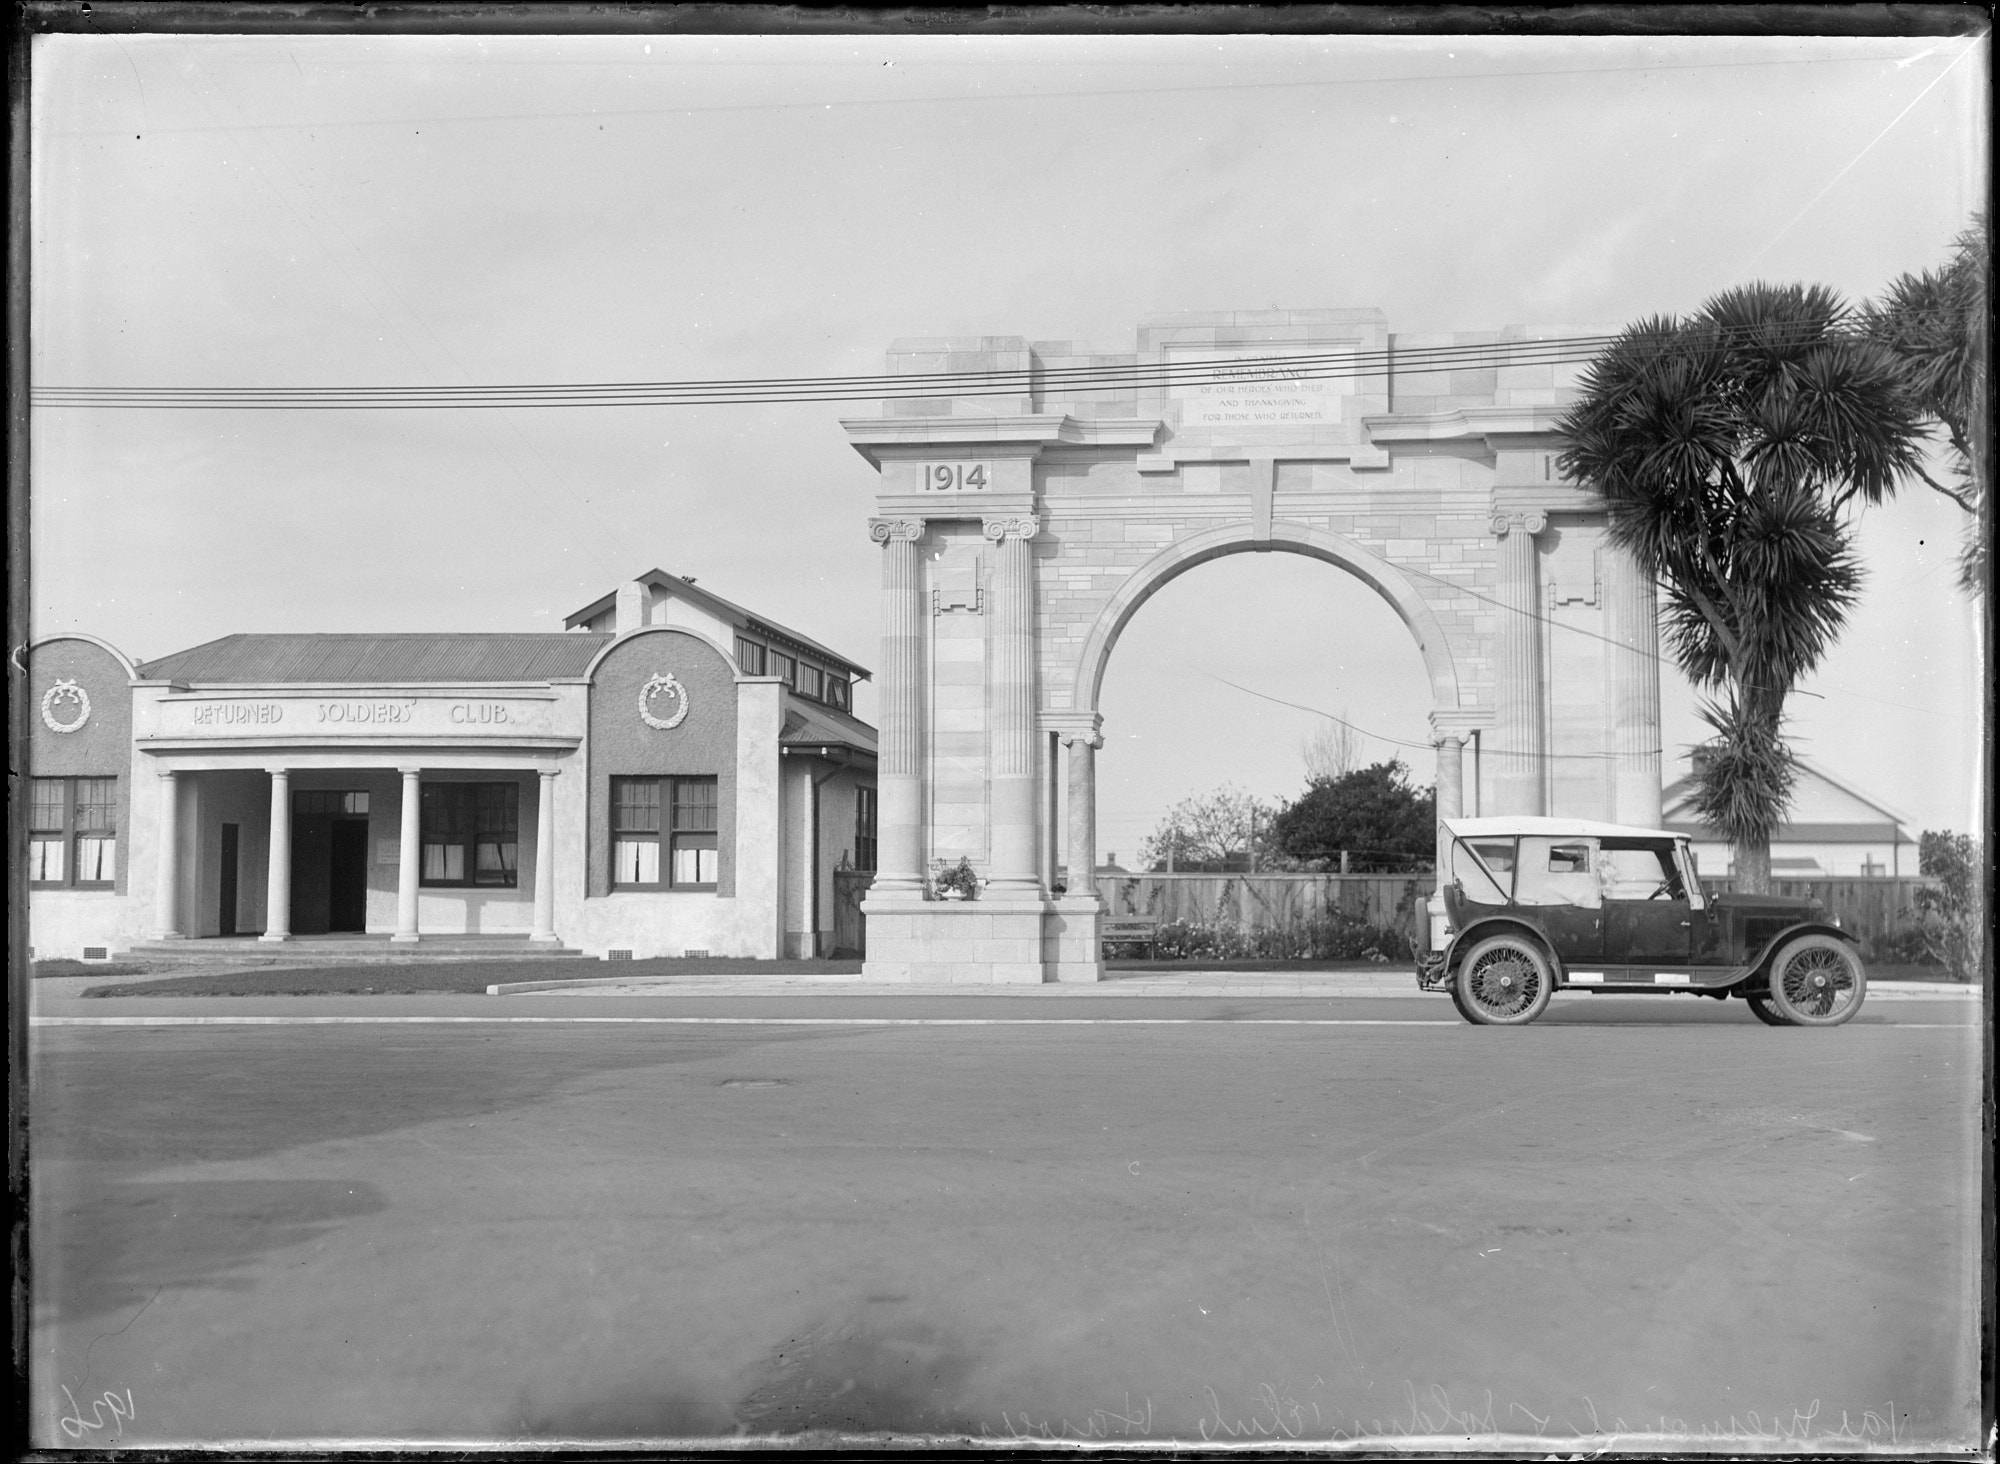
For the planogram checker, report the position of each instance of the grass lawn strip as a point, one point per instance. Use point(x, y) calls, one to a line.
point(445, 978)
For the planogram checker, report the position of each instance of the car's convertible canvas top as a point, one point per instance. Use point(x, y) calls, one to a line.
point(1581, 828)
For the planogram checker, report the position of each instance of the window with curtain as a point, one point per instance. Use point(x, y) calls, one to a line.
point(663, 833)
point(73, 833)
point(471, 834)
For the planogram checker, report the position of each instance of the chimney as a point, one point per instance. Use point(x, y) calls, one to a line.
point(631, 611)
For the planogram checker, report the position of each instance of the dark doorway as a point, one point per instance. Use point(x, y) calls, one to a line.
point(329, 863)
point(347, 885)
point(226, 918)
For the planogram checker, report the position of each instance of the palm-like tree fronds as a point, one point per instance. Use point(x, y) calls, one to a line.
point(1725, 447)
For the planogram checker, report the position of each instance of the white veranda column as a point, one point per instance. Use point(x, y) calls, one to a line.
point(166, 897)
point(899, 771)
point(1518, 773)
point(409, 854)
point(1634, 708)
point(1011, 706)
point(545, 859)
point(1082, 752)
point(278, 873)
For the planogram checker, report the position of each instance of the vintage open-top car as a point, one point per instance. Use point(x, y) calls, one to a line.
point(1533, 906)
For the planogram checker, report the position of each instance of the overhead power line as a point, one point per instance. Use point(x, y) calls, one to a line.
point(1109, 379)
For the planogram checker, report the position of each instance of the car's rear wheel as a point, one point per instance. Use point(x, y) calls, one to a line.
point(1766, 1011)
point(1503, 981)
point(1817, 981)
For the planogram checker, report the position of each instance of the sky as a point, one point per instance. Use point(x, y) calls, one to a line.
point(311, 210)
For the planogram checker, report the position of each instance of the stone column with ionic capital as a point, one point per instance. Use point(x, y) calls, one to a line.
point(1520, 739)
point(1450, 787)
point(899, 861)
point(1011, 707)
point(1081, 750)
point(1633, 706)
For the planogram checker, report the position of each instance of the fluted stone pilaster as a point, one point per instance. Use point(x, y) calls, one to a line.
point(899, 770)
point(1520, 736)
point(1011, 686)
point(1634, 702)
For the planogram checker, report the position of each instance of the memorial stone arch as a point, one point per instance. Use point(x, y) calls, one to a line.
point(1020, 532)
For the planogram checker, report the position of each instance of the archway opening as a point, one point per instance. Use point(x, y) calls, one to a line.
point(1239, 672)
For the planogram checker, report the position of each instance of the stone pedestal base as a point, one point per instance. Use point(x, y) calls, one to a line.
point(989, 942)
point(1070, 943)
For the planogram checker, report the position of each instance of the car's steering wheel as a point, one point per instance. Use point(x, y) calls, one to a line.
point(1665, 889)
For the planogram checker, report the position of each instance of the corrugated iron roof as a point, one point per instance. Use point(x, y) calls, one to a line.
point(808, 724)
point(381, 659)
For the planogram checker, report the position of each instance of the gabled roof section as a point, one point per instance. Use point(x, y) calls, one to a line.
point(1679, 817)
point(381, 659)
point(727, 610)
point(808, 724)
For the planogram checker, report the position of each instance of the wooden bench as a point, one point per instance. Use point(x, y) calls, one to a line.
point(1140, 930)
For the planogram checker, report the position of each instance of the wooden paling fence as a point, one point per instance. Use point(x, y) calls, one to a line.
point(1266, 901)
point(1872, 906)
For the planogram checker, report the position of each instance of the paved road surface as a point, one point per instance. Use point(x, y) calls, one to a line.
point(1246, 1218)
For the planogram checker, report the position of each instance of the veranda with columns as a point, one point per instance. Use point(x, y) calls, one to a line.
point(200, 793)
point(1026, 530)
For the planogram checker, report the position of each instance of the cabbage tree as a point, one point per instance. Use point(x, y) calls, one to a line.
point(1730, 447)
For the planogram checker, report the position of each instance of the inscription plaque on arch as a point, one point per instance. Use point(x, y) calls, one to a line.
point(1263, 392)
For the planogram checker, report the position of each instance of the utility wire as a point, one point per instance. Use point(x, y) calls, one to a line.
point(1112, 379)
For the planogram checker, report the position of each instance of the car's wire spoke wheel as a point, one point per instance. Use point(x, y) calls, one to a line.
point(1766, 1011)
point(1817, 981)
point(1503, 981)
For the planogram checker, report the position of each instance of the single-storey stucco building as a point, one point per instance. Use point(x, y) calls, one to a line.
point(670, 774)
point(1830, 829)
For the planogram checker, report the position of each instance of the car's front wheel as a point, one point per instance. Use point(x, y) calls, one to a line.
point(1503, 981)
point(1817, 981)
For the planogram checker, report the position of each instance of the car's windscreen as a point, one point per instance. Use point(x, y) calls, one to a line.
point(1633, 871)
point(1484, 869)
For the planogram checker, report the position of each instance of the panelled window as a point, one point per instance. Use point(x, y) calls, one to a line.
point(663, 833)
point(806, 679)
point(471, 834)
point(864, 828)
point(73, 832)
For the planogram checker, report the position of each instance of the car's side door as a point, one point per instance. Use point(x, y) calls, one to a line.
point(1556, 887)
point(1648, 919)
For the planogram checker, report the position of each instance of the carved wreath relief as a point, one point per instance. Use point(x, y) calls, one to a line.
point(663, 685)
point(65, 691)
